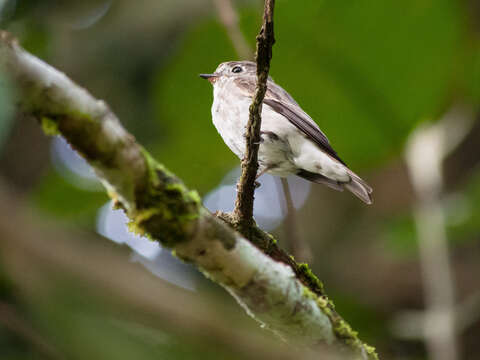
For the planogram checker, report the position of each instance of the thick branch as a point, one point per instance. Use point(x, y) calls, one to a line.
point(288, 299)
point(243, 213)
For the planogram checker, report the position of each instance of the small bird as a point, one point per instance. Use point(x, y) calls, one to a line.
point(291, 142)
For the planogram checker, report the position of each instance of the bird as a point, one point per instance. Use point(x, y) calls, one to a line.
point(291, 142)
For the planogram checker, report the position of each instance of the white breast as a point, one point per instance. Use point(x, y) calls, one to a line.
point(230, 112)
point(230, 117)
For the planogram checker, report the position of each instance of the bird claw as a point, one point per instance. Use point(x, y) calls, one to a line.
point(259, 142)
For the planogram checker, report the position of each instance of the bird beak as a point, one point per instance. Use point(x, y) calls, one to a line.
point(210, 77)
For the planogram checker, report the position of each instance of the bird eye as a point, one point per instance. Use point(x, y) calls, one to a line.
point(237, 69)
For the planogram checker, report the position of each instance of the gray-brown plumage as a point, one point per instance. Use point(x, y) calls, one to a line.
point(292, 143)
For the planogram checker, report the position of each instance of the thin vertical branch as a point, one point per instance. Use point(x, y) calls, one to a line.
point(299, 248)
point(229, 19)
point(243, 212)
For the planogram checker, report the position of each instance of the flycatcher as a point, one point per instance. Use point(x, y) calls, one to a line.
point(291, 142)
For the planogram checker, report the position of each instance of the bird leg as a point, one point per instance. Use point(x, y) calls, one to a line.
point(257, 184)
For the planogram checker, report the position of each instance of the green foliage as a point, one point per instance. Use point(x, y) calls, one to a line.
point(370, 323)
point(399, 234)
point(364, 73)
point(81, 207)
point(463, 213)
point(192, 147)
point(462, 216)
point(472, 74)
point(84, 325)
point(6, 107)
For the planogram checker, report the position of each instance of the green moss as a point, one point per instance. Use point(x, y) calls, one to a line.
point(273, 241)
point(141, 217)
point(324, 304)
point(306, 292)
point(312, 279)
point(152, 166)
point(156, 171)
point(165, 208)
point(49, 126)
point(133, 227)
point(344, 332)
point(371, 351)
point(312, 288)
point(81, 116)
point(83, 134)
point(193, 195)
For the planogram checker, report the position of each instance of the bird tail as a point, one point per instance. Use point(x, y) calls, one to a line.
point(359, 188)
point(320, 179)
point(356, 185)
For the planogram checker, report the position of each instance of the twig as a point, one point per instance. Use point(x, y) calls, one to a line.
point(243, 212)
point(299, 248)
point(228, 17)
point(279, 293)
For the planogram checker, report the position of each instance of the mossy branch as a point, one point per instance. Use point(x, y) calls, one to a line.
point(283, 295)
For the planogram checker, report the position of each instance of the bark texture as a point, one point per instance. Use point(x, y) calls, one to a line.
point(243, 212)
point(283, 295)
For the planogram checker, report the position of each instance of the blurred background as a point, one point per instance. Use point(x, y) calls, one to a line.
point(394, 85)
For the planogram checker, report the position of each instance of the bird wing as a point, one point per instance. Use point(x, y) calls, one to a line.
point(282, 102)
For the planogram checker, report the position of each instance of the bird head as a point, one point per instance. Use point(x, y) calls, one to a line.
point(231, 69)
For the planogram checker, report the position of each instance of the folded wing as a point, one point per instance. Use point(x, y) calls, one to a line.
point(281, 102)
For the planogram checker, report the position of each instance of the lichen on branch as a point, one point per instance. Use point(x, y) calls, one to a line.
point(281, 294)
